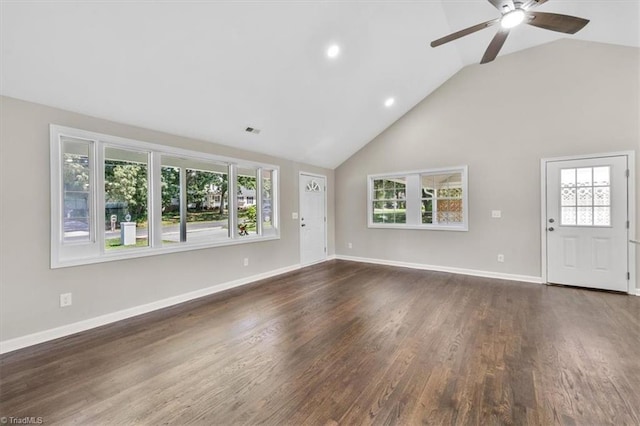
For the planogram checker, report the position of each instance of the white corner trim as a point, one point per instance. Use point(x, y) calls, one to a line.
point(66, 330)
point(453, 270)
point(637, 291)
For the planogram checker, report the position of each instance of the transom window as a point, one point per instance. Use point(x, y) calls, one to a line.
point(426, 199)
point(585, 196)
point(115, 198)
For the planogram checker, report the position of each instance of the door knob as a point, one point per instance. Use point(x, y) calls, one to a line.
point(551, 220)
point(550, 229)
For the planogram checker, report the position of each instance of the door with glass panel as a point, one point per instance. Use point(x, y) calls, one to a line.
point(586, 222)
point(313, 230)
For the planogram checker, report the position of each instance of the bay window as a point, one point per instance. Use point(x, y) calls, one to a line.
point(115, 198)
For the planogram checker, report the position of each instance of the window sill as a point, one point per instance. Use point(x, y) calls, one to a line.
point(133, 253)
point(460, 228)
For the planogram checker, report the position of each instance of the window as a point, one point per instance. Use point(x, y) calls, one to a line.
point(426, 199)
point(389, 203)
point(194, 212)
point(585, 196)
point(441, 197)
point(246, 184)
point(126, 198)
point(76, 181)
point(114, 198)
point(266, 205)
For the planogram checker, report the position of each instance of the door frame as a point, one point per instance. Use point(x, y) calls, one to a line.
point(326, 219)
point(631, 211)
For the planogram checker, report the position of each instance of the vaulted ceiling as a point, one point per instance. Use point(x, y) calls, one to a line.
point(210, 69)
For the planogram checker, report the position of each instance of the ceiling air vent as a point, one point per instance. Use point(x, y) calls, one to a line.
point(252, 130)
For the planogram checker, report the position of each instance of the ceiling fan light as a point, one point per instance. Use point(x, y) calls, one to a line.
point(512, 19)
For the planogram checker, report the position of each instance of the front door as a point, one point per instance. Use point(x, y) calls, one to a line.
point(586, 222)
point(312, 219)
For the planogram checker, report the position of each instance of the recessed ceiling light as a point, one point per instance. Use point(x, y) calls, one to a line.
point(389, 102)
point(333, 51)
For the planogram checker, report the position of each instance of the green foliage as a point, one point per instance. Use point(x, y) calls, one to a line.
point(248, 182)
point(199, 183)
point(170, 181)
point(127, 182)
point(76, 172)
point(251, 214)
point(117, 243)
point(385, 189)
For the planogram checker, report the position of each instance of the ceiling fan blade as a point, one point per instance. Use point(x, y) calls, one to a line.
point(502, 5)
point(556, 22)
point(495, 46)
point(462, 33)
point(533, 3)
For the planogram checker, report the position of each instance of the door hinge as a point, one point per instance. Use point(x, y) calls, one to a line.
point(325, 249)
point(628, 276)
point(626, 173)
point(627, 224)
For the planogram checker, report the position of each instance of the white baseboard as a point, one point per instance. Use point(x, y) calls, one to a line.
point(462, 271)
point(66, 330)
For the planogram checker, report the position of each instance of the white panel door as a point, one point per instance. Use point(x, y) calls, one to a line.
point(586, 222)
point(312, 219)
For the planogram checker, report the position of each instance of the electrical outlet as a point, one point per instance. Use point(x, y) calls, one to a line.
point(246, 261)
point(501, 258)
point(294, 215)
point(350, 245)
point(65, 300)
point(496, 214)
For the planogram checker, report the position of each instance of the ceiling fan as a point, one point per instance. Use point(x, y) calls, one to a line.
point(514, 13)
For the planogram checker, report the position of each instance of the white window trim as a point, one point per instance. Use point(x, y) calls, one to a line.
point(82, 253)
point(412, 197)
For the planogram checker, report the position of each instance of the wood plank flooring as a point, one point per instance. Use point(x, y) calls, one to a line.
point(347, 343)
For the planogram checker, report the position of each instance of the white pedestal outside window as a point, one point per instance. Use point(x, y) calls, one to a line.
point(128, 233)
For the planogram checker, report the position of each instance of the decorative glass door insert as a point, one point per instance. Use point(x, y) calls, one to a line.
point(585, 196)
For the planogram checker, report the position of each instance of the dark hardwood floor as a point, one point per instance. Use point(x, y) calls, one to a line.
point(347, 343)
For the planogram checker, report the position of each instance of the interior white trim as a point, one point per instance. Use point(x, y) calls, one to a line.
point(633, 286)
point(66, 330)
point(453, 270)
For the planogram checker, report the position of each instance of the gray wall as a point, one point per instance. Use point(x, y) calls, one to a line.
point(29, 290)
point(564, 98)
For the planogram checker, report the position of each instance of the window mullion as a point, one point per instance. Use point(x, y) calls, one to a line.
point(155, 199)
point(413, 199)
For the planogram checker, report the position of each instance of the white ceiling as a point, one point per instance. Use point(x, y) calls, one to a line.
point(209, 69)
